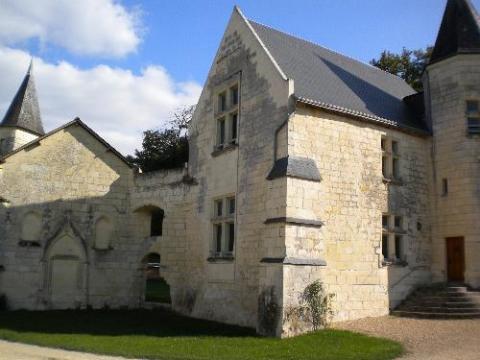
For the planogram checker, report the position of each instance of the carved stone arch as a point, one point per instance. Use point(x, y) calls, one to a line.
point(65, 262)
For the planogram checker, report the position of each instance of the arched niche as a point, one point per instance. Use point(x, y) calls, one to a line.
point(31, 226)
point(103, 233)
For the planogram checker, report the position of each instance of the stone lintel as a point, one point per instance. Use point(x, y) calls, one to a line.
point(295, 221)
point(294, 261)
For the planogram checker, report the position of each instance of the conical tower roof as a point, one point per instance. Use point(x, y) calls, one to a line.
point(24, 111)
point(459, 32)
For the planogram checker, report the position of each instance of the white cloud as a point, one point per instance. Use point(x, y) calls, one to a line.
point(91, 27)
point(116, 103)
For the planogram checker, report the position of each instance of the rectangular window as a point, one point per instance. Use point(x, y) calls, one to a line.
point(234, 95)
point(233, 127)
point(385, 246)
point(227, 117)
point(390, 159)
point(444, 187)
point(223, 227)
point(222, 102)
point(220, 132)
point(473, 107)
point(392, 238)
point(231, 237)
point(473, 125)
point(473, 117)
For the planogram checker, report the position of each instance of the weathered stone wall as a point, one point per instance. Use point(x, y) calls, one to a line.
point(13, 138)
point(350, 200)
point(451, 83)
point(231, 290)
point(56, 191)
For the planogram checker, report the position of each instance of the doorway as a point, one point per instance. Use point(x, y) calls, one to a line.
point(456, 259)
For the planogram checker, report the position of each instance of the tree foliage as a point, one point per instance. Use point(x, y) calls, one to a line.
point(168, 148)
point(408, 65)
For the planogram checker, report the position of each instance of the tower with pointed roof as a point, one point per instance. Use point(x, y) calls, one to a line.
point(452, 98)
point(22, 122)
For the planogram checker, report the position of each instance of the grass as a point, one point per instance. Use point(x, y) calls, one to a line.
point(160, 334)
point(157, 290)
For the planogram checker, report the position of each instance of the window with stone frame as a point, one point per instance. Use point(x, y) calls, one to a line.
point(226, 116)
point(473, 117)
point(393, 237)
point(390, 159)
point(223, 227)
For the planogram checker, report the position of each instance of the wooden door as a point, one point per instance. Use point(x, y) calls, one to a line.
point(455, 259)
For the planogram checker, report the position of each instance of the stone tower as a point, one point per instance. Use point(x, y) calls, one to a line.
point(22, 122)
point(452, 96)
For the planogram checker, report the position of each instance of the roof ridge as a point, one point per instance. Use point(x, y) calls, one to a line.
point(328, 49)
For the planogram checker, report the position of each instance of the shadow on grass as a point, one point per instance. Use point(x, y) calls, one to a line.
point(158, 323)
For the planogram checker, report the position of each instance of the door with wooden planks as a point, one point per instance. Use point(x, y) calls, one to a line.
point(455, 259)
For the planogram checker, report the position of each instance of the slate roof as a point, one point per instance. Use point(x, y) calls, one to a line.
point(459, 32)
point(328, 79)
point(24, 111)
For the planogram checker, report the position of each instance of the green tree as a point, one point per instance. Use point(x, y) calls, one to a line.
point(165, 149)
point(409, 65)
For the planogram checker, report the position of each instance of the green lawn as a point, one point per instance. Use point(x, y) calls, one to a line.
point(160, 334)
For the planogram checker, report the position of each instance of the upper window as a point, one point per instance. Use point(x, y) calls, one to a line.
point(473, 117)
point(156, 222)
point(390, 159)
point(227, 117)
point(223, 222)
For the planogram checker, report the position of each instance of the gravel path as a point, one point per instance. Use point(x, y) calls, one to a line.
point(17, 351)
point(425, 339)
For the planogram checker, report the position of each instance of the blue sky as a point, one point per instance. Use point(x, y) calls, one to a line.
point(124, 66)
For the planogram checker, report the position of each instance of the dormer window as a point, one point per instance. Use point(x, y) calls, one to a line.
point(473, 117)
point(227, 116)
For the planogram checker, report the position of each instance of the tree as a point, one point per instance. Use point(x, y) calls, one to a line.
point(409, 64)
point(165, 149)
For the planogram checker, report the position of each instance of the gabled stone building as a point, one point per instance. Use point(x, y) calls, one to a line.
point(304, 165)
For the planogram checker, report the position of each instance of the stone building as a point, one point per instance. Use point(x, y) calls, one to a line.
point(304, 165)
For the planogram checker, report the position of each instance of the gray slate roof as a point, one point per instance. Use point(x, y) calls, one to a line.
point(459, 32)
point(24, 111)
point(324, 77)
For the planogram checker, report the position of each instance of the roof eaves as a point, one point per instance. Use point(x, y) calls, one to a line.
point(272, 59)
point(362, 116)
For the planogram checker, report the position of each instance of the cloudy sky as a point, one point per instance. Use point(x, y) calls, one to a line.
point(126, 66)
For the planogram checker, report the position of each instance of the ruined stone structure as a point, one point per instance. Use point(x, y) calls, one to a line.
point(304, 165)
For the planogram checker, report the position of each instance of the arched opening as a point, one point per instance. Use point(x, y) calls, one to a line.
point(103, 233)
point(150, 220)
point(31, 227)
point(156, 287)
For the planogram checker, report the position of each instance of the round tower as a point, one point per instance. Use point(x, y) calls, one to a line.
point(452, 93)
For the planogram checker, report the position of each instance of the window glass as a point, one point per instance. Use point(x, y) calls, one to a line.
point(398, 222)
point(234, 95)
point(473, 125)
point(398, 247)
point(395, 147)
point(396, 168)
point(233, 125)
point(221, 131)
point(218, 238)
point(222, 102)
point(231, 237)
point(231, 206)
point(385, 246)
point(218, 208)
point(472, 107)
point(385, 222)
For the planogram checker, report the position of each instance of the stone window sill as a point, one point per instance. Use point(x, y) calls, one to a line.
point(221, 259)
point(224, 149)
point(392, 181)
point(396, 262)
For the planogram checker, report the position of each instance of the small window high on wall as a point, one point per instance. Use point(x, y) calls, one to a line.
point(156, 222)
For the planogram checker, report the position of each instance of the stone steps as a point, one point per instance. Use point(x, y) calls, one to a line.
point(446, 302)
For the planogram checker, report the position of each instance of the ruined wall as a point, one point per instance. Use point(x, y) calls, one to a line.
point(56, 192)
point(450, 84)
point(232, 289)
point(350, 200)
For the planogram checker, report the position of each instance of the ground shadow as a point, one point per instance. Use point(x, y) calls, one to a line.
point(158, 322)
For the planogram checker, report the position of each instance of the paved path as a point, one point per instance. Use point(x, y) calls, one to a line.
point(425, 339)
point(17, 351)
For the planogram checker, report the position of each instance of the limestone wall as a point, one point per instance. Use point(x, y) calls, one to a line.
point(456, 158)
point(57, 191)
point(350, 200)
